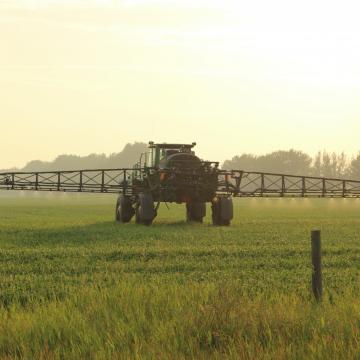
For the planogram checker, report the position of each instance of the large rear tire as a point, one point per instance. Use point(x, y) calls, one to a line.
point(222, 211)
point(145, 212)
point(195, 212)
point(124, 210)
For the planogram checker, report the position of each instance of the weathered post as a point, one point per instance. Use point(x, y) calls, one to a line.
point(316, 262)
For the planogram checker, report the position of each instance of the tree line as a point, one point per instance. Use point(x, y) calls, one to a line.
point(126, 158)
point(323, 164)
point(288, 162)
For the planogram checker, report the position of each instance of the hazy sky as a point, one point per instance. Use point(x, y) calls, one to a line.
point(235, 76)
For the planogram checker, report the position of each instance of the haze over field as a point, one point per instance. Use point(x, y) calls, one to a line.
point(86, 77)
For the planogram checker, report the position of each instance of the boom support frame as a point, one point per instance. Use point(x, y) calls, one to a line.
point(260, 184)
point(237, 183)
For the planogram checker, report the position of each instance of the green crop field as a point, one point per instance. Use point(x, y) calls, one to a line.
point(74, 284)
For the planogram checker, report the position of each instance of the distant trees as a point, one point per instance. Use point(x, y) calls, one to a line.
point(244, 161)
point(291, 162)
point(324, 164)
point(330, 165)
point(354, 169)
point(288, 162)
point(126, 158)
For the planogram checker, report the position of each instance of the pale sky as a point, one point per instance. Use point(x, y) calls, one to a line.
point(80, 77)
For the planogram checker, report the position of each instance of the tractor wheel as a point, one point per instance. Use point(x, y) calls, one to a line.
point(145, 212)
point(215, 212)
point(195, 211)
point(222, 211)
point(124, 210)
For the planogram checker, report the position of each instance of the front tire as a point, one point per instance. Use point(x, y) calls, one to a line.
point(124, 210)
point(145, 212)
point(195, 212)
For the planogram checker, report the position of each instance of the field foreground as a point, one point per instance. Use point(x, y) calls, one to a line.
point(74, 284)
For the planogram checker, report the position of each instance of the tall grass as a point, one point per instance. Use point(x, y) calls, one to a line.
point(150, 320)
point(73, 284)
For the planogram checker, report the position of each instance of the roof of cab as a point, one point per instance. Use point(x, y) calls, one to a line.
point(171, 146)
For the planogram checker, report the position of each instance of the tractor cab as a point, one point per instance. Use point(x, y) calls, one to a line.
point(157, 155)
point(161, 152)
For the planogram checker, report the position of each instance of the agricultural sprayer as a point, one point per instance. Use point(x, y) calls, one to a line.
point(173, 173)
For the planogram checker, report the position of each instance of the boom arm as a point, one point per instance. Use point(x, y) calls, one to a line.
point(94, 181)
point(235, 182)
point(258, 184)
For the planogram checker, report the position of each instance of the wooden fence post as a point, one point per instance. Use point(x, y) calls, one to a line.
point(316, 263)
